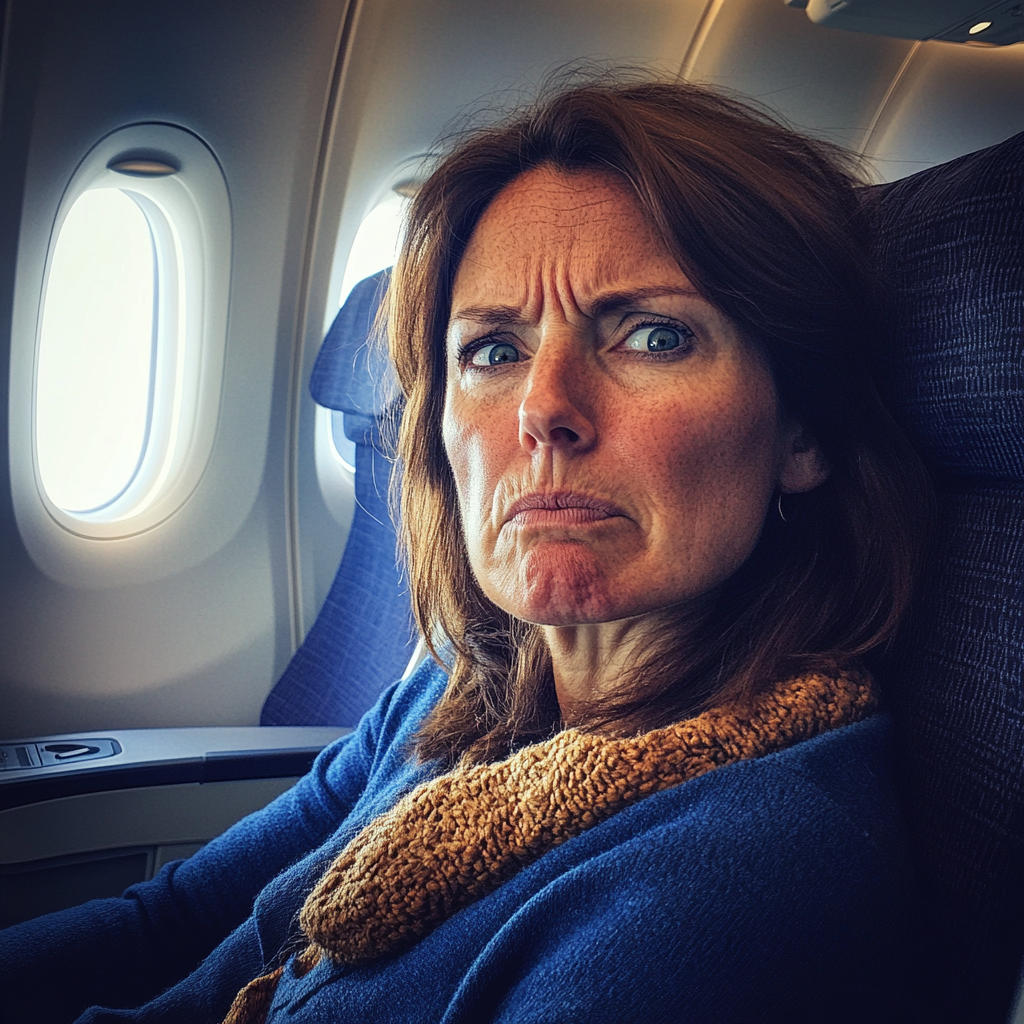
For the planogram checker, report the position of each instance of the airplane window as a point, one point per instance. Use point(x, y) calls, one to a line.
point(131, 333)
point(376, 243)
point(96, 352)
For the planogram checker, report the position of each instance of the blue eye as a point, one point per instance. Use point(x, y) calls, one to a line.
point(495, 354)
point(658, 338)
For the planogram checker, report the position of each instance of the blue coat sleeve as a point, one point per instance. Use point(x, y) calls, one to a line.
point(121, 952)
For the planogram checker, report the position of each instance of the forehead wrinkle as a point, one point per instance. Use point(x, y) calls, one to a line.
point(486, 315)
point(580, 187)
point(535, 247)
point(600, 302)
point(565, 293)
point(547, 199)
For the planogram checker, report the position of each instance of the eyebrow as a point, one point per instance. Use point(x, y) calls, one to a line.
point(616, 301)
point(505, 316)
point(510, 316)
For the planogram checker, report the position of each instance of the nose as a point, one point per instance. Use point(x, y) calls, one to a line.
point(557, 407)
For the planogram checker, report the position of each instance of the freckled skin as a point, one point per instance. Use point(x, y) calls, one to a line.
point(680, 451)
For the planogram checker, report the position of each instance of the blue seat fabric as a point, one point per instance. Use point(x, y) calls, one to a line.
point(951, 248)
point(352, 373)
point(363, 637)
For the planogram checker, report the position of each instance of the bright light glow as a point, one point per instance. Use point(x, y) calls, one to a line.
point(980, 27)
point(96, 351)
point(376, 243)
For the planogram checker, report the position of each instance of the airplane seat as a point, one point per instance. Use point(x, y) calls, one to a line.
point(950, 248)
point(363, 637)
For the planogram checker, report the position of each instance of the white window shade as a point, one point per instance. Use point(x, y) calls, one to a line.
point(97, 346)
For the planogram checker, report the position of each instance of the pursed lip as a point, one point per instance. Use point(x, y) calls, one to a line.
point(577, 508)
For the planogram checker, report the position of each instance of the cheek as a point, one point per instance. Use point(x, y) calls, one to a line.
point(725, 452)
point(711, 467)
point(478, 452)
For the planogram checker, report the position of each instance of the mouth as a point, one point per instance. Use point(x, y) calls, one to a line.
point(561, 508)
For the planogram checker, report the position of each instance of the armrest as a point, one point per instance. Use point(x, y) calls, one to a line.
point(84, 815)
point(49, 767)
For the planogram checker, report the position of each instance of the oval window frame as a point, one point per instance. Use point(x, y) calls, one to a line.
point(188, 206)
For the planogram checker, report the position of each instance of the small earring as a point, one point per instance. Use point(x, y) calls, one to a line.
point(779, 506)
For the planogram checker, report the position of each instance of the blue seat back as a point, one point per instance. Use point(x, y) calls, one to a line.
point(951, 245)
point(363, 637)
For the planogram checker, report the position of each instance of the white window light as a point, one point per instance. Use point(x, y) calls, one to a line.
point(94, 393)
point(376, 243)
point(130, 339)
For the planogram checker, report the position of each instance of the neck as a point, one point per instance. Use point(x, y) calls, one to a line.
point(592, 661)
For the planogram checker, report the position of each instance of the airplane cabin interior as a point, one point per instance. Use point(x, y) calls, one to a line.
point(199, 579)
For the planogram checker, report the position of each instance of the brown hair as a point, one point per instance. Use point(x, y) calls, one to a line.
point(767, 224)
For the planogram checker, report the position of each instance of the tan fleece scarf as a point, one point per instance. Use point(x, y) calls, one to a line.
point(457, 838)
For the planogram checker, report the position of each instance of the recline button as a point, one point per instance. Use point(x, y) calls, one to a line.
point(16, 756)
point(71, 751)
point(66, 751)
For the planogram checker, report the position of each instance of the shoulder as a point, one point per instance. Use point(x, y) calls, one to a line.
point(795, 836)
point(763, 890)
point(845, 773)
point(796, 849)
point(825, 807)
point(382, 741)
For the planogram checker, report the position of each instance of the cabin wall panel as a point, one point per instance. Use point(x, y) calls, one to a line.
point(190, 623)
point(951, 100)
point(824, 81)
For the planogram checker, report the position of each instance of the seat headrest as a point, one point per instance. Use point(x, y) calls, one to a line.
point(352, 373)
point(951, 249)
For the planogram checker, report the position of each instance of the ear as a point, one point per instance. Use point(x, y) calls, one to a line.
point(803, 466)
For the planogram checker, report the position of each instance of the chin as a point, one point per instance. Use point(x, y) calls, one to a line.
point(560, 586)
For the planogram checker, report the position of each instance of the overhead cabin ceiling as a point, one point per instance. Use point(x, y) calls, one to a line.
point(420, 66)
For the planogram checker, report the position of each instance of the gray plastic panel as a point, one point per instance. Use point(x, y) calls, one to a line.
point(905, 19)
point(62, 852)
point(151, 757)
point(149, 816)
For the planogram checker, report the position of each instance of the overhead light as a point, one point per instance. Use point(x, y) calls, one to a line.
point(980, 27)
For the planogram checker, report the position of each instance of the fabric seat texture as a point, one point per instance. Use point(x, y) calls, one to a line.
point(363, 637)
point(950, 244)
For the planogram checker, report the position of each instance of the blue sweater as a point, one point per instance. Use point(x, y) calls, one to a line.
point(769, 890)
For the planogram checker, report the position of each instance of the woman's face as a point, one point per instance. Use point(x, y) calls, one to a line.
point(615, 443)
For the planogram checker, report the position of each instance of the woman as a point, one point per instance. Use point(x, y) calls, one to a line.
point(655, 515)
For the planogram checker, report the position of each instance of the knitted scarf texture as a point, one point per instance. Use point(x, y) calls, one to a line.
point(457, 838)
